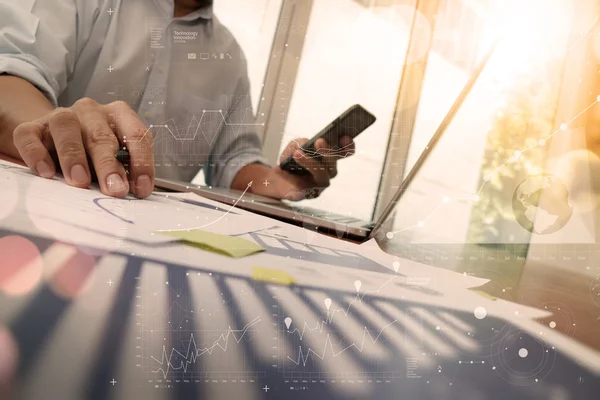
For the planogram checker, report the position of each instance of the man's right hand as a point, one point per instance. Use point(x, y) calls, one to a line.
point(87, 136)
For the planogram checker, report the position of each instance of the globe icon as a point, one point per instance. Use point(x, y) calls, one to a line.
point(541, 204)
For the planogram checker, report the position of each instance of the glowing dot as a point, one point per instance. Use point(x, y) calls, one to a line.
point(476, 197)
point(421, 224)
point(389, 235)
point(396, 265)
point(542, 142)
point(437, 328)
point(494, 368)
point(446, 199)
point(563, 127)
point(523, 352)
point(486, 178)
point(552, 324)
point(598, 98)
point(480, 312)
point(517, 153)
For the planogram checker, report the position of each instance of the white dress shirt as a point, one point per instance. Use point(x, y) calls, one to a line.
point(186, 77)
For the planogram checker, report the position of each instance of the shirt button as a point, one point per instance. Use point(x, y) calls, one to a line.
point(147, 115)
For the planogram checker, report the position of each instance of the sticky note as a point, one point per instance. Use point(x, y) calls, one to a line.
point(484, 294)
point(272, 276)
point(223, 244)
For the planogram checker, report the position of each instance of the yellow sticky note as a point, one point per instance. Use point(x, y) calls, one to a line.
point(223, 244)
point(484, 294)
point(272, 276)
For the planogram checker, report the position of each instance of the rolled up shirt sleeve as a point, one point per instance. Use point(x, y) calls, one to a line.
point(38, 42)
point(238, 143)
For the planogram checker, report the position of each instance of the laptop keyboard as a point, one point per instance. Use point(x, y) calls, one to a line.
point(343, 219)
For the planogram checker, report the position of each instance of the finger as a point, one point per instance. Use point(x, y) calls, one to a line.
point(328, 158)
point(317, 170)
point(102, 145)
point(65, 130)
point(348, 147)
point(9, 358)
point(28, 141)
point(291, 148)
point(138, 139)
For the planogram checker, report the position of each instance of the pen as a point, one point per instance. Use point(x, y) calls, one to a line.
point(123, 156)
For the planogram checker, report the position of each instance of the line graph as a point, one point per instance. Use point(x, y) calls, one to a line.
point(328, 346)
point(331, 313)
point(193, 352)
point(340, 152)
point(194, 125)
point(304, 356)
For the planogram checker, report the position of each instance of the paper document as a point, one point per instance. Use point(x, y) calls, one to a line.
point(87, 217)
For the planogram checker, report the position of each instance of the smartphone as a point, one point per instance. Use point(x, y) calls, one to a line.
point(350, 123)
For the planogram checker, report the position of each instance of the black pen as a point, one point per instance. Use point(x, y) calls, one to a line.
point(123, 157)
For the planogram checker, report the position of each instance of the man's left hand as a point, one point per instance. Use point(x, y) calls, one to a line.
point(284, 185)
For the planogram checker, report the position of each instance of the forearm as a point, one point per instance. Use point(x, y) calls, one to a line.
point(20, 102)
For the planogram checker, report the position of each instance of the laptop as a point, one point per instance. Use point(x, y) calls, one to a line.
point(320, 220)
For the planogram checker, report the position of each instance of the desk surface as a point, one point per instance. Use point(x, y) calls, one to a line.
point(125, 325)
point(562, 278)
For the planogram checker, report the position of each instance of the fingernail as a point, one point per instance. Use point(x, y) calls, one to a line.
point(78, 175)
point(8, 357)
point(115, 183)
point(44, 170)
point(143, 186)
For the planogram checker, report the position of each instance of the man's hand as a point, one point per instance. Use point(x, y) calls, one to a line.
point(86, 137)
point(277, 183)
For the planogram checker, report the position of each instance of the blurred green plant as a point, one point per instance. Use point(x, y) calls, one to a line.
point(513, 153)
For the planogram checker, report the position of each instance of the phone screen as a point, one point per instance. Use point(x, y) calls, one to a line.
point(351, 123)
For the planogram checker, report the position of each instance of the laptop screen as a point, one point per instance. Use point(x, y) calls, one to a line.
point(505, 172)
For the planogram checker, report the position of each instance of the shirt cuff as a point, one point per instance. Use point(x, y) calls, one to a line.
point(235, 164)
point(24, 66)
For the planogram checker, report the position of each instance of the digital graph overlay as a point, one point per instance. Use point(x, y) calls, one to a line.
point(192, 330)
point(186, 135)
point(333, 337)
point(200, 326)
point(193, 352)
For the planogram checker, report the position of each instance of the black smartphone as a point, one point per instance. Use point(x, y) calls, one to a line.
point(350, 123)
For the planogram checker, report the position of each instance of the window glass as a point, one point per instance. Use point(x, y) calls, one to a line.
point(464, 192)
point(353, 53)
point(253, 23)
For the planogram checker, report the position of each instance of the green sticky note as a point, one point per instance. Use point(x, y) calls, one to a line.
point(272, 276)
point(223, 244)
